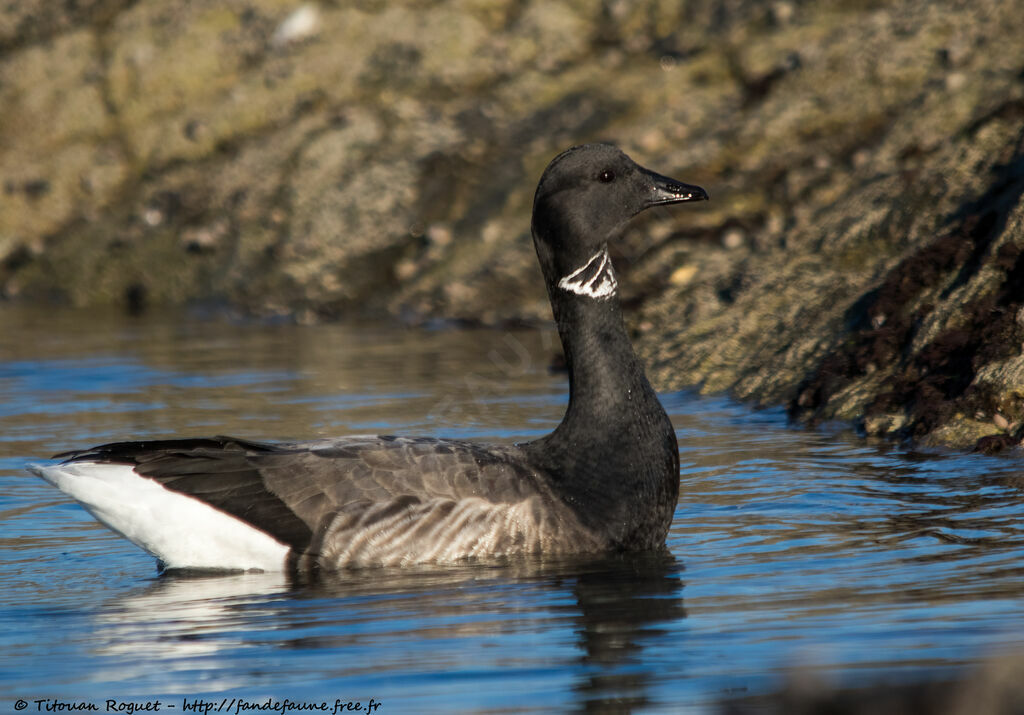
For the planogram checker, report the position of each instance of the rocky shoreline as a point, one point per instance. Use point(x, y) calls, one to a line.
point(860, 260)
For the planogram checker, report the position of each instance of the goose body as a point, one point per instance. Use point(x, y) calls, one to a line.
point(606, 478)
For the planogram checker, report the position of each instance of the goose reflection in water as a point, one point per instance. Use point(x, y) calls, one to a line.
point(608, 610)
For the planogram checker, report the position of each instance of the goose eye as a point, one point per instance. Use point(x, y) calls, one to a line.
point(606, 177)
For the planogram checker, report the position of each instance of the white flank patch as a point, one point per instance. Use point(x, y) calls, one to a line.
point(180, 531)
point(594, 278)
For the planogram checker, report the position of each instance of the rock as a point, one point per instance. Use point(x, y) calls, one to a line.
point(992, 687)
point(896, 276)
point(860, 258)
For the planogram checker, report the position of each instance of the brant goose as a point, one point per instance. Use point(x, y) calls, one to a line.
point(607, 478)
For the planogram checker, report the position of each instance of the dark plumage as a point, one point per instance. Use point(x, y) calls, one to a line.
point(605, 479)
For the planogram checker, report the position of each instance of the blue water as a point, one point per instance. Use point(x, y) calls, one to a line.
point(790, 549)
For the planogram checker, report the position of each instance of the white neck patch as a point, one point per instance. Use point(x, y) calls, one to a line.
point(594, 279)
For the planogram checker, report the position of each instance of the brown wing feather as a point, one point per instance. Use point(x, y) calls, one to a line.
point(296, 491)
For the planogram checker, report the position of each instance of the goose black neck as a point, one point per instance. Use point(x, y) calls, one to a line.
point(605, 376)
point(614, 455)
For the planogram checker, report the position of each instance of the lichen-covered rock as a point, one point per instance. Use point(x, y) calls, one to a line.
point(859, 260)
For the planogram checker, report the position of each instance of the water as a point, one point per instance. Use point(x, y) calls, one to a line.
point(789, 548)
